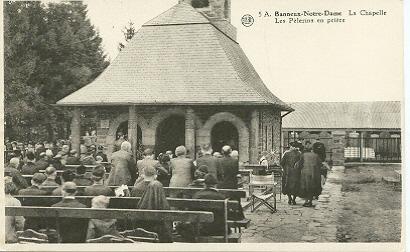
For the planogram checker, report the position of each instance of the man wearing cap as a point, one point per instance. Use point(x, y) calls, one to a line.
point(72, 230)
point(98, 187)
point(34, 189)
point(149, 175)
point(72, 158)
point(51, 174)
point(66, 176)
point(41, 163)
point(228, 169)
point(29, 168)
point(148, 161)
point(207, 159)
point(81, 179)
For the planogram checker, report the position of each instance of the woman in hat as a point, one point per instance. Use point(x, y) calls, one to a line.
point(310, 179)
point(291, 173)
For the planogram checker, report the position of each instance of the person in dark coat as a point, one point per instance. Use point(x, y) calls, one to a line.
point(29, 168)
point(209, 192)
point(98, 187)
point(51, 174)
point(149, 175)
point(72, 158)
point(163, 169)
point(310, 178)
point(34, 190)
point(186, 230)
point(72, 230)
point(228, 169)
point(291, 173)
point(154, 199)
point(319, 148)
point(81, 179)
point(41, 163)
point(207, 159)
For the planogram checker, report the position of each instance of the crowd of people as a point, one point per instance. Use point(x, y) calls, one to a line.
point(148, 176)
point(304, 171)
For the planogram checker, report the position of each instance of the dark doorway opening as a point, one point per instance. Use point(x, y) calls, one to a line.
point(123, 128)
point(170, 134)
point(224, 133)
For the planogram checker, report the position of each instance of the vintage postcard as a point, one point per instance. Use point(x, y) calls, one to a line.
point(242, 125)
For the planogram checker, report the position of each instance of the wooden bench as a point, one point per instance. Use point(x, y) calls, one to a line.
point(132, 202)
point(195, 217)
point(185, 191)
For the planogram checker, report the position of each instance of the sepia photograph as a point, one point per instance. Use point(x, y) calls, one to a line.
point(263, 124)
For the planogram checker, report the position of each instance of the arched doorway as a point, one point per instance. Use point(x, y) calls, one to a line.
point(224, 133)
point(123, 128)
point(170, 134)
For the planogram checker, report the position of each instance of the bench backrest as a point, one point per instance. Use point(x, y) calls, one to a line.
point(95, 213)
point(186, 191)
point(132, 202)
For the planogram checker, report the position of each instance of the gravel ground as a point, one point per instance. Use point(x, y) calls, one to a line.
point(355, 206)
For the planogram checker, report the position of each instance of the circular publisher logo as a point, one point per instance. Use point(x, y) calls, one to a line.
point(247, 20)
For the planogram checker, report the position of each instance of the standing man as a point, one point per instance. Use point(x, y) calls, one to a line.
point(147, 161)
point(208, 160)
point(228, 168)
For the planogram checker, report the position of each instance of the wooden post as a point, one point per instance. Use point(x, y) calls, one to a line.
point(190, 132)
point(76, 130)
point(361, 146)
point(254, 137)
point(133, 129)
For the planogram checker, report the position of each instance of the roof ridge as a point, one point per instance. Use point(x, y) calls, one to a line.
point(231, 64)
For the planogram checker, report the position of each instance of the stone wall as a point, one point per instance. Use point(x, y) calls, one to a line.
point(205, 118)
point(270, 131)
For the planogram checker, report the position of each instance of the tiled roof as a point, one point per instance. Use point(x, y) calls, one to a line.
point(191, 62)
point(344, 115)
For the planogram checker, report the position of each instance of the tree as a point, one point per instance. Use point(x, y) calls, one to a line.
point(129, 32)
point(50, 51)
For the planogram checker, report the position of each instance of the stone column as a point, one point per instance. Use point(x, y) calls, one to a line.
point(338, 147)
point(76, 130)
point(133, 129)
point(254, 137)
point(190, 132)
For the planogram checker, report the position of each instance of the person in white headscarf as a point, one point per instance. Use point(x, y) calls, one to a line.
point(123, 170)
